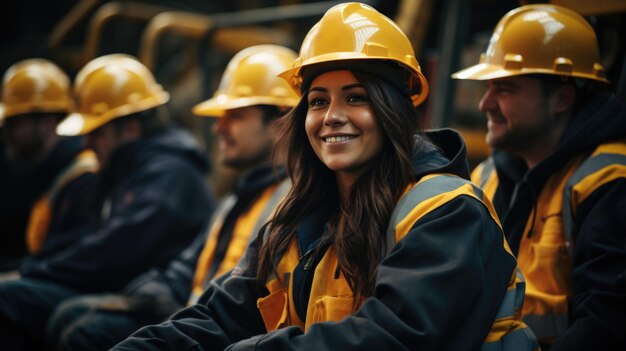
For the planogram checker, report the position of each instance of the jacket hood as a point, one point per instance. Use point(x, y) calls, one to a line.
point(176, 141)
point(171, 143)
point(601, 119)
point(259, 178)
point(440, 151)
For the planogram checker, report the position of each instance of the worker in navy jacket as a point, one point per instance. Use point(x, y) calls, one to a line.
point(245, 126)
point(152, 198)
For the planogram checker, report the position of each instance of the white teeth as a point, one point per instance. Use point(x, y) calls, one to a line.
point(338, 139)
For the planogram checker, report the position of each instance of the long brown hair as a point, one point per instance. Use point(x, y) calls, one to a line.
point(358, 237)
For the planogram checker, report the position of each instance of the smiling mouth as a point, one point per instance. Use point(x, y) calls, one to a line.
point(338, 139)
point(496, 118)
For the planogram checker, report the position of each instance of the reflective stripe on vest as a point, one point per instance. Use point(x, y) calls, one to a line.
point(258, 214)
point(277, 197)
point(41, 213)
point(488, 166)
point(604, 166)
point(516, 340)
point(427, 188)
point(508, 331)
point(513, 300)
point(485, 176)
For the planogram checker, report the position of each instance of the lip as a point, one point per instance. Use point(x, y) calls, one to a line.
point(495, 119)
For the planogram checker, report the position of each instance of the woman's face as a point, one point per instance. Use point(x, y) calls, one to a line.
point(341, 125)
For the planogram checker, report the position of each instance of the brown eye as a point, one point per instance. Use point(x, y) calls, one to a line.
point(316, 102)
point(358, 98)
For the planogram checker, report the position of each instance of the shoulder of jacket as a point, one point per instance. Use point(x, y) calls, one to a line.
point(607, 159)
point(428, 194)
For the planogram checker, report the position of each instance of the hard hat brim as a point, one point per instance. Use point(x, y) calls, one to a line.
point(84, 123)
point(487, 71)
point(216, 107)
point(481, 71)
point(293, 76)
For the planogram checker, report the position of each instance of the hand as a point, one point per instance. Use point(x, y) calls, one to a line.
point(9, 275)
point(115, 303)
point(144, 306)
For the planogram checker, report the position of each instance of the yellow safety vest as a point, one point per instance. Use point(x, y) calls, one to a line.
point(247, 226)
point(545, 256)
point(41, 212)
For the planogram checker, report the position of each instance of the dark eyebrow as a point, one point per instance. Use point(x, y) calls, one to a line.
point(320, 89)
point(344, 88)
point(352, 86)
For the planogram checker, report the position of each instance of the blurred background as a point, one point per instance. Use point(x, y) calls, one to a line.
point(187, 43)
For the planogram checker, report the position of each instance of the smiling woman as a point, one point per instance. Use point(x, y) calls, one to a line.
point(341, 126)
point(382, 243)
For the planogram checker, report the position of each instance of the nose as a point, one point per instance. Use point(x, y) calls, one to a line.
point(487, 102)
point(335, 115)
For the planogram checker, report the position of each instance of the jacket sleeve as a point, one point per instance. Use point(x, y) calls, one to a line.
point(439, 289)
point(598, 303)
point(154, 215)
point(174, 281)
point(226, 313)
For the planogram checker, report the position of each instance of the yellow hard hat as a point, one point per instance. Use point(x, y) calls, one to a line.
point(355, 31)
point(110, 87)
point(539, 39)
point(251, 78)
point(34, 86)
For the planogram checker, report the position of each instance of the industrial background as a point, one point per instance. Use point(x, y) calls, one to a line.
point(187, 44)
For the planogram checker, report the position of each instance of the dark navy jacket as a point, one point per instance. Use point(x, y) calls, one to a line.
point(173, 284)
point(153, 201)
point(429, 292)
point(21, 186)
